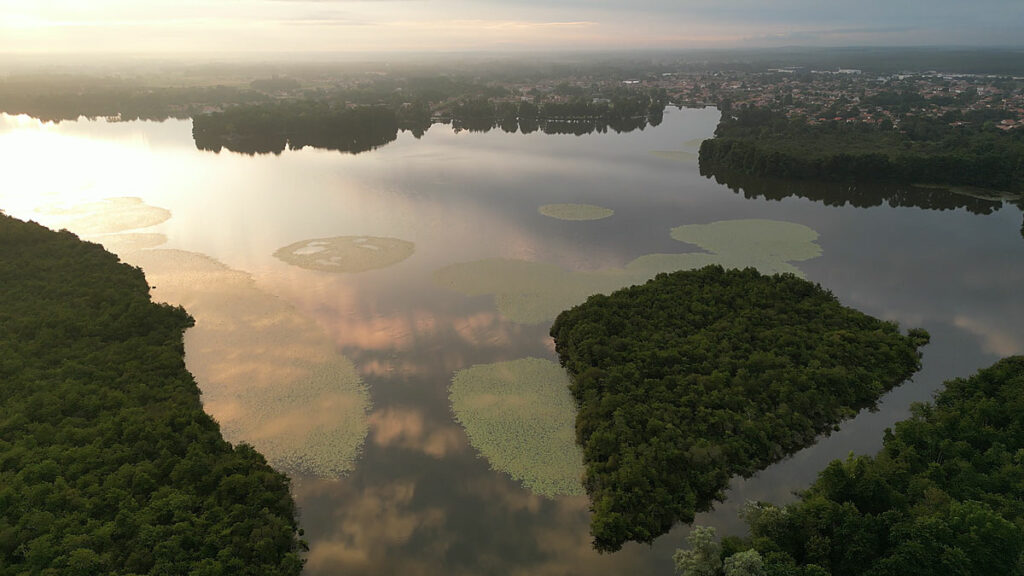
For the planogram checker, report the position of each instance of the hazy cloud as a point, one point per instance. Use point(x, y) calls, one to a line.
point(509, 24)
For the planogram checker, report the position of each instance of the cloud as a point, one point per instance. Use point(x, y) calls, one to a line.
point(819, 36)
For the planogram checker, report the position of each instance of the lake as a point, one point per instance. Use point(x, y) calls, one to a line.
point(336, 296)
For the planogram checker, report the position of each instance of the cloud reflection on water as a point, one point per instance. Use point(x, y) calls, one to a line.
point(268, 374)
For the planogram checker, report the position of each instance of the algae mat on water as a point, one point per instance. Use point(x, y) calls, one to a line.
point(575, 211)
point(269, 375)
point(519, 415)
point(346, 253)
point(535, 292)
point(106, 216)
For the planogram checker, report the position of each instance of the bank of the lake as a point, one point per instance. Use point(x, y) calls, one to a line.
point(412, 492)
point(764, 142)
point(700, 375)
point(944, 496)
point(108, 464)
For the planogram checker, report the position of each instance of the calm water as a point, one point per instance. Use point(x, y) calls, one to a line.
point(283, 353)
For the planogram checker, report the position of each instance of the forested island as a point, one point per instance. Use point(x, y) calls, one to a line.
point(944, 496)
point(765, 142)
point(699, 375)
point(108, 464)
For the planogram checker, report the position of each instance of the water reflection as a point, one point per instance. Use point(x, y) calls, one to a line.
point(535, 292)
point(410, 429)
point(418, 499)
point(270, 377)
point(863, 195)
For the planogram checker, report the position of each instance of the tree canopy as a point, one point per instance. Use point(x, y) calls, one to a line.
point(108, 464)
point(944, 496)
point(764, 142)
point(699, 375)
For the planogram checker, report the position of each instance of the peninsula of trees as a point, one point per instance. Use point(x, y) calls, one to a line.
point(944, 496)
point(700, 375)
point(764, 142)
point(108, 464)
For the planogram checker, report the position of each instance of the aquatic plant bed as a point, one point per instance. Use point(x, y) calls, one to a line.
point(699, 375)
point(519, 415)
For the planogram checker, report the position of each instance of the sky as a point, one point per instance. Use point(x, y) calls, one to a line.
point(230, 26)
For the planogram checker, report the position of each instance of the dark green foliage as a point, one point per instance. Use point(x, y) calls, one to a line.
point(944, 496)
point(108, 464)
point(272, 127)
point(700, 375)
point(762, 142)
point(65, 97)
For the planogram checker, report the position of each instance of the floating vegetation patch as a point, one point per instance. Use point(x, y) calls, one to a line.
point(346, 253)
point(535, 292)
point(520, 416)
point(575, 211)
point(689, 153)
point(677, 155)
point(129, 242)
point(107, 216)
point(268, 374)
point(755, 242)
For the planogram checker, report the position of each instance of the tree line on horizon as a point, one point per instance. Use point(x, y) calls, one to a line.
point(764, 142)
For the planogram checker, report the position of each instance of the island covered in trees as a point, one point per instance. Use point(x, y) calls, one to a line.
point(699, 375)
point(108, 464)
point(944, 496)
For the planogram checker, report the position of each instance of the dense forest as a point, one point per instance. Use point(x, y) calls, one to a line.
point(273, 127)
point(700, 375)
point(576, 112)
point(764, 142)
point(67, 97)
point(108, 464)
point(944, 496)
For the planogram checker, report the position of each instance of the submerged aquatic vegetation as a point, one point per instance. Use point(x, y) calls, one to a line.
point(129, 241)
point(688, 154)
point(268, 374)
point(677, 155)
point(752, 242)
point(346, 253)
point(519, 415)
point(535, 292)
point(575, 211)
point(107, 216)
